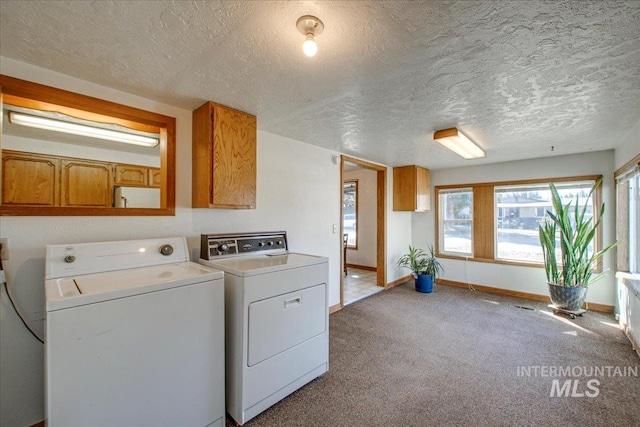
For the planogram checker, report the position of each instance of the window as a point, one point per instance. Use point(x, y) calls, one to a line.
point(498, 222)
point(520, 208)
point(350, 212)
point(456, 221)
point(628, 218)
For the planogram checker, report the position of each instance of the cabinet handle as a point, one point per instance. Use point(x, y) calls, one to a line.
point(292, 302)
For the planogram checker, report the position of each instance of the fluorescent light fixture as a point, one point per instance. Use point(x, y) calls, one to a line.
point(457, 142)
point(78, 129)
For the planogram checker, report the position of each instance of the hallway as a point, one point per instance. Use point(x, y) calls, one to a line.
point(359, 284)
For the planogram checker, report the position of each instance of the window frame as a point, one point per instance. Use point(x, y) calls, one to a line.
point(485, 219)
point(440, 221)
point(626, 248)
point(356, 201)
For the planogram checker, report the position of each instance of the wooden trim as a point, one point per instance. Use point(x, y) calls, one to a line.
point(362, 267)
point(484, 236)
point(634, 161)
point(518, 294)
point(363, 163)
point(483, 222)
point(602, 308)
point(40, 424)
point(381, 230)
point(336, 307)
point(521, 182)
point(24, 93)
point(400, 281)
point(355, 182)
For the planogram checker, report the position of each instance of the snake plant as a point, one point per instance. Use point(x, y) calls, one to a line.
point(419, 262)
point(576, 232)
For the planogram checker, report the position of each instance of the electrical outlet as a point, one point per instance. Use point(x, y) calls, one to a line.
point(335, 228)
point(5, 248)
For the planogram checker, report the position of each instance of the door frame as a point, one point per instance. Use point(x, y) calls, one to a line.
point(381, 223)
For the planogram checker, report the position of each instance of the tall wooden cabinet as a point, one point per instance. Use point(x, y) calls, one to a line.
point(224, 158)
point(411, 189)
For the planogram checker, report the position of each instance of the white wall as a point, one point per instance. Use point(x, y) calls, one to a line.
point(298, 190)
point(517, 278)
point(367, 217)
point(30, 145)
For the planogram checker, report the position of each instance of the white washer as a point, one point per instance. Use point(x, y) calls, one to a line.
point(277, 320)
point(134, 336)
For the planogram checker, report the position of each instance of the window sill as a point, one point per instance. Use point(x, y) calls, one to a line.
point(630, 280)
point(491, 261)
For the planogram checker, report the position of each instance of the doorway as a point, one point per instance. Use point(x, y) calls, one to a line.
point(363, 207)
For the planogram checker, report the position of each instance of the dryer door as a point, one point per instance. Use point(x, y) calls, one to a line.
point(276, 324)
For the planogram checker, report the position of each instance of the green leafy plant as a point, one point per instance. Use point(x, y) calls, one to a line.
point(419, 262)
point(576, 232)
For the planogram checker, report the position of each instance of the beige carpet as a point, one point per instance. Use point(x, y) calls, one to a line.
point(460, 358)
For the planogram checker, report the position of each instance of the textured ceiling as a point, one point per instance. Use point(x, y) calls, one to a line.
point(517, 77)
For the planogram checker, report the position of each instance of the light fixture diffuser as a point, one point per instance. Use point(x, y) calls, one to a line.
point(457, 142)
point(79, 129)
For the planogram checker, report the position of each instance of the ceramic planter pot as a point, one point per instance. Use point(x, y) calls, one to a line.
point(424, 283)
point(567, 297)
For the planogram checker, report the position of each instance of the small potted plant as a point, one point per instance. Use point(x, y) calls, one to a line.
point(425, 267)
point(568, 280)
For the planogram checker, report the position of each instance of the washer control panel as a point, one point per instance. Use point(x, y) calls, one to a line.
point(214, 246)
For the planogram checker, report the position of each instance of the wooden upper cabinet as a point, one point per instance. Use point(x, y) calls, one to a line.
point(85, 183)
point(131, 175)
point(155, 177)
point(224, 158)
point(137, 176)
point(411, 189)
point(30, 179)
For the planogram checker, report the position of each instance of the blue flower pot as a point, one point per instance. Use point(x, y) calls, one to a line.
point(424, 283)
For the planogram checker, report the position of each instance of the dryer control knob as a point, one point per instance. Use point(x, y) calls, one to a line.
point(69, 258)
point(166, 250)
point(223, 247)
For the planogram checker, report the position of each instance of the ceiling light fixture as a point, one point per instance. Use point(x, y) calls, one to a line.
point(310, 26)
point(78, 129)
point(457, 142)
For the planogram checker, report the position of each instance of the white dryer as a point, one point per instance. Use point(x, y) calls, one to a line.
point(277, 320)
point(134, 336)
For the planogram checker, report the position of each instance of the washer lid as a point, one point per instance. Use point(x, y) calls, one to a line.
point(98, 287)
point(245, 266)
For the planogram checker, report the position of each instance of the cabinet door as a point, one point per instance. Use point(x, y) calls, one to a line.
point(86, 183)
point(234, 159)
point(132, 175)
point(411, 189)
point(155, 177)
point(224, 158)
point(423, 202)
point(29, 179)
